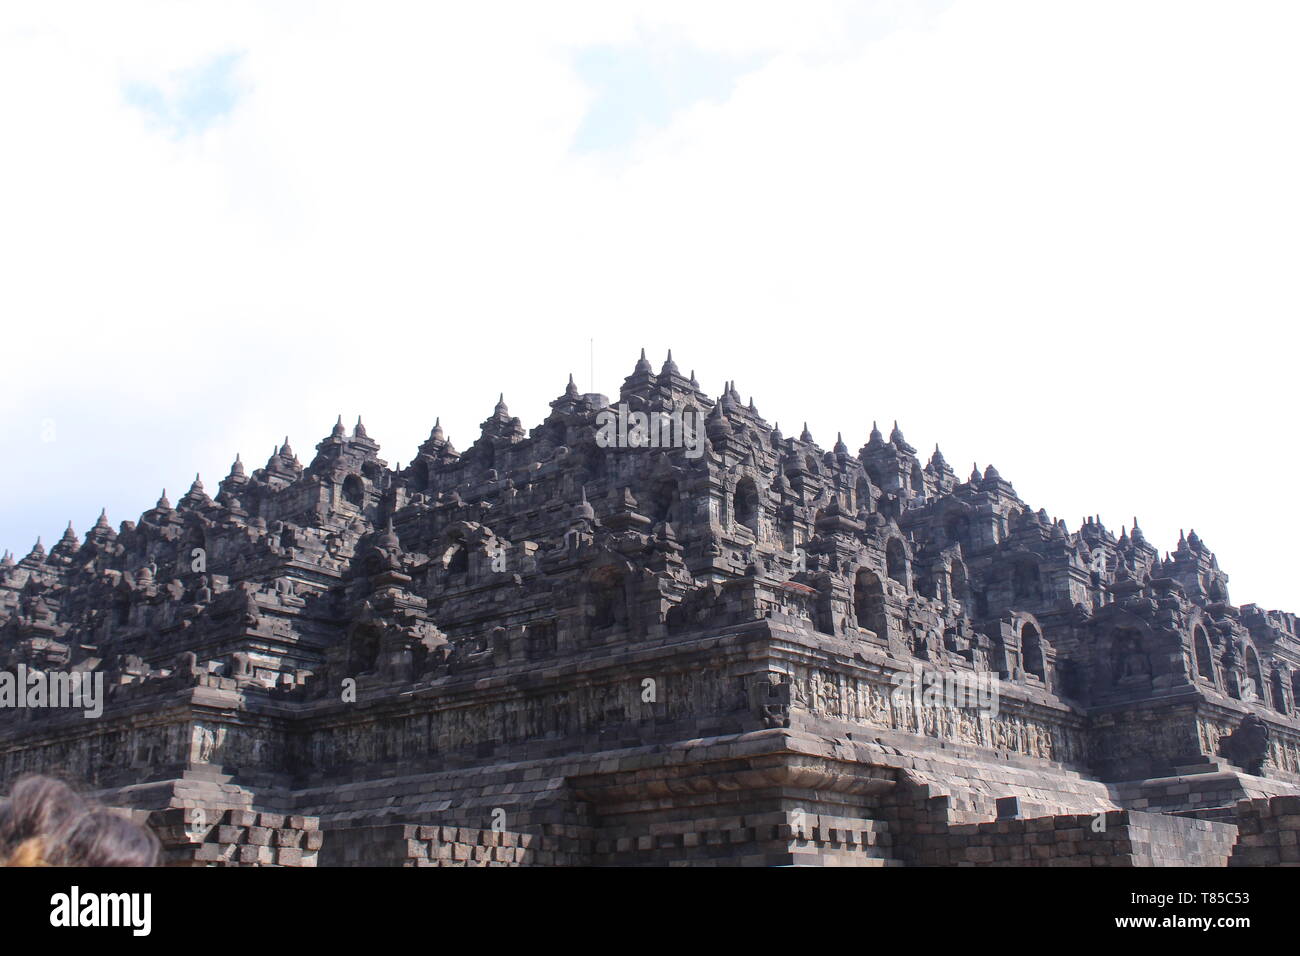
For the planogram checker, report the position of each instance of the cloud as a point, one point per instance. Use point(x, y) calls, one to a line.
point(1056, 237)
point(189, 101)
point(640, 87)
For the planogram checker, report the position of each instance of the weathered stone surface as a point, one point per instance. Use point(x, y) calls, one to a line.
point(1268, 833)
point(547, 650)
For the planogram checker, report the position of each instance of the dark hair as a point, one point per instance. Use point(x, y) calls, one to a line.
point(103, 838)
point(46, 823)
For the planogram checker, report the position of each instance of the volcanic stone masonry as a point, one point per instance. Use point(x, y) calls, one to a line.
point(545, 651)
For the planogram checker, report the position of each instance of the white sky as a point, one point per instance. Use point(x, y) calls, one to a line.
point(1060, 237)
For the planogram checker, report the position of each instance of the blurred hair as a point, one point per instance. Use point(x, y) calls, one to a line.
point(44, 822)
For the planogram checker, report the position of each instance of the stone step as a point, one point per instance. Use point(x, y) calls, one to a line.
point(1193, 770)
point(211, 774)
point(1216, 814)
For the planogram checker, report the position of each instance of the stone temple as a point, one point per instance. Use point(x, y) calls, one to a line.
point(551, 649)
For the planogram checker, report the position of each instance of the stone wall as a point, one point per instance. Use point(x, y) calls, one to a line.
point(1269, 832)
point(397, 844)
point(1122, 838)
point(934, 833)
point(194, 836)
point(909, 826)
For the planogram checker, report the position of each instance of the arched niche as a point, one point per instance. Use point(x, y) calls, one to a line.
point(745, 504)
point(1129, 661)
point(354, 490)
point(869, 602)
point(663, 502)
point(420, 475)
point(1279, 689)
point(607, 597)
point(862, 492)
point(956, 529)
point(925, 585)
point(1031, 650)
point(958, 582)
point(1253, 688)
point(1026, 581)
point(363, 649)
point(896, 561)
point(1204, 656)
point(455, 557)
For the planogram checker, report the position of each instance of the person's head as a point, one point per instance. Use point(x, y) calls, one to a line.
point(45, 823)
